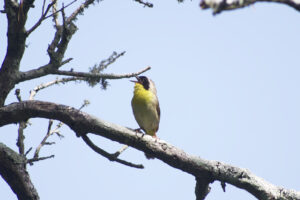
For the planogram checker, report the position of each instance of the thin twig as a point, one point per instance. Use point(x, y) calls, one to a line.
point(43, 7)
point(98, 69)
point(85, 103)
point(66, 61)
point(123, 148)
point(146, 4)
point(30, 161)
point(63, 17)
point(17, 93)
point(223, 185)
point(56, 130)
point(107, 155)
point(42, 18)
point(57, 11)
point(79, 10)
point(37, 151)
point(55, 14)
point(45, 85)
point(28, 151)
point(105, 63)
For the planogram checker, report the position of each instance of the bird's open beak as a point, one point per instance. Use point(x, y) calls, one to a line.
point(134, 81)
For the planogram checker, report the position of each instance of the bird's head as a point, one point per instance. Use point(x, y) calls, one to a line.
point(143, 80)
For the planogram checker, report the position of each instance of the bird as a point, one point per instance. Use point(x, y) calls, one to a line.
point(145, 106)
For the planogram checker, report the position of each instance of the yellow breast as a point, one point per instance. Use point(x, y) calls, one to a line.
point(141, 95)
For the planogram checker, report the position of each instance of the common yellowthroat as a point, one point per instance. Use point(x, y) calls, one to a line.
point(145, 105)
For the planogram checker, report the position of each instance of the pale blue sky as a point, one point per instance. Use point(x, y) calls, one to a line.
point(228, 87)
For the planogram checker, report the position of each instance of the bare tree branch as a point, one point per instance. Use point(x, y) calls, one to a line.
point(21, 137)
point(55, 82)
point(98, 69)
point(47, 69)
point(42, 18)
point(37, 151)
point(22, 126)
point(123, 148)
point(18, 95)
point(146, 4)
point(55, 14)
point(80, 10)
point(32, 160)
point(16, 39)
point(55, 11)
point(111, 157)
point(105, 76)
point(13, 170)
point(112, 58)
point(221, 5)
point(28, 151)
point(82, 123)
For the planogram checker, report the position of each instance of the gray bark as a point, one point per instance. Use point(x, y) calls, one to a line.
point(13, 171)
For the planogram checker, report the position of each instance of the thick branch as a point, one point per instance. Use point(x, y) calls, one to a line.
point(16, 38)
point(83, 123)
point(220, 5)
point(13, 171)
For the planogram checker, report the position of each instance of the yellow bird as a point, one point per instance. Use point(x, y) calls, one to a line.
point(145, 105)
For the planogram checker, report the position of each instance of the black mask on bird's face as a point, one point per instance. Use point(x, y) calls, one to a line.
point(143, 80)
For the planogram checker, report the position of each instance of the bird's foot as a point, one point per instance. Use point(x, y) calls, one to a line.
point(139, 130)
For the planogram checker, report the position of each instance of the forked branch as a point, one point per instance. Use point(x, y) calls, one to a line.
point(42, 18)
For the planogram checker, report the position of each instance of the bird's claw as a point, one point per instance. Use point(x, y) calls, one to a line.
point(139, 130)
